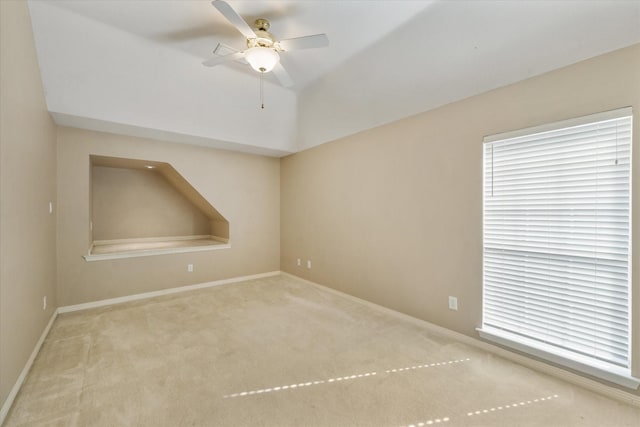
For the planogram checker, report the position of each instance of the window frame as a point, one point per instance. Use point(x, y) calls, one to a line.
point(615, 374)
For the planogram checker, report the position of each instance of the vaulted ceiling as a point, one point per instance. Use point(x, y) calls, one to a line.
point(135, 67)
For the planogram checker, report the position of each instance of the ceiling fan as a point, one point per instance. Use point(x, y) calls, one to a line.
point(263, 50)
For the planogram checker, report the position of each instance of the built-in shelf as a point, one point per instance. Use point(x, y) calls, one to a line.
point(131, 248)
point(132, 201)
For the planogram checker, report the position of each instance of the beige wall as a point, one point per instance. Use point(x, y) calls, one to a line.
point(244, 188)
point(394, 215)
point(132, 203)
point(27, 184)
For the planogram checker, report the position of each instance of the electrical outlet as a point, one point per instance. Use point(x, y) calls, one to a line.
point(299, 262)
point(190, 268)
point(44, 302)
point(308, 263)
point(453, 303)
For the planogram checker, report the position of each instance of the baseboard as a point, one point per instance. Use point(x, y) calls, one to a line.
point(146, 295)
point(589, 384)
point(18, 384)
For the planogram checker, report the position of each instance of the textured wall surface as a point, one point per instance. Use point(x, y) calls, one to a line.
point(394, 215)
point(244, 188)
point(27, 185)
point(133, 203)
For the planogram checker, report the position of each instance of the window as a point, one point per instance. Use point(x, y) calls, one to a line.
point(556, 243)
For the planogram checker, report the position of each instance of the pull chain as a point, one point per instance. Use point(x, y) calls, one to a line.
point(262, 90)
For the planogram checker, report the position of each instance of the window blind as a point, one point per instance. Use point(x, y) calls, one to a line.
point(556, 237)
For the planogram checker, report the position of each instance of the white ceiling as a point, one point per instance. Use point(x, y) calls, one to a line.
point(134, 67)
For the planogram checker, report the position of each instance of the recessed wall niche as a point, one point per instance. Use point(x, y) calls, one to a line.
point(141, 208)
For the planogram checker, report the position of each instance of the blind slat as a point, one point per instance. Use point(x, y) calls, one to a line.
point(556, 237)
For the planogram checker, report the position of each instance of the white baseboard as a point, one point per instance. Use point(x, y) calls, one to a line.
point(587, 383)
point(119, 300)
point(18, 384)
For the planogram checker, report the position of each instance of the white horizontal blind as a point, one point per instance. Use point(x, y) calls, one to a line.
point(557, 238)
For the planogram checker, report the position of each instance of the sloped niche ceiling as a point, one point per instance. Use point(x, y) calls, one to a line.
point(136, 203)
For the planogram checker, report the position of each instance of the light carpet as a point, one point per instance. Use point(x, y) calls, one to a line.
point(280, 352)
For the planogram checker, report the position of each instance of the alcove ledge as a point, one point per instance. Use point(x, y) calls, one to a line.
point(102, 250)
point(131, 198)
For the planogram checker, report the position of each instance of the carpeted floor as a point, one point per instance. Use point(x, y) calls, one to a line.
point(279, 352)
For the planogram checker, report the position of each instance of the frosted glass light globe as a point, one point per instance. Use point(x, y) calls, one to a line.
point(262, 59)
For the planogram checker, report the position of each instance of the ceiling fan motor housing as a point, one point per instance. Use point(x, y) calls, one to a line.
point(263, 50)
point(263, 37)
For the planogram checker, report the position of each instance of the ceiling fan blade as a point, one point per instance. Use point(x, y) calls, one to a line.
point(306, 42)
point(232, 16)
point(281, 74)
point(224, 50)
point(217, 60)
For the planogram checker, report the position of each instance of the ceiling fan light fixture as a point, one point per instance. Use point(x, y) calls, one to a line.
point(262, 59)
